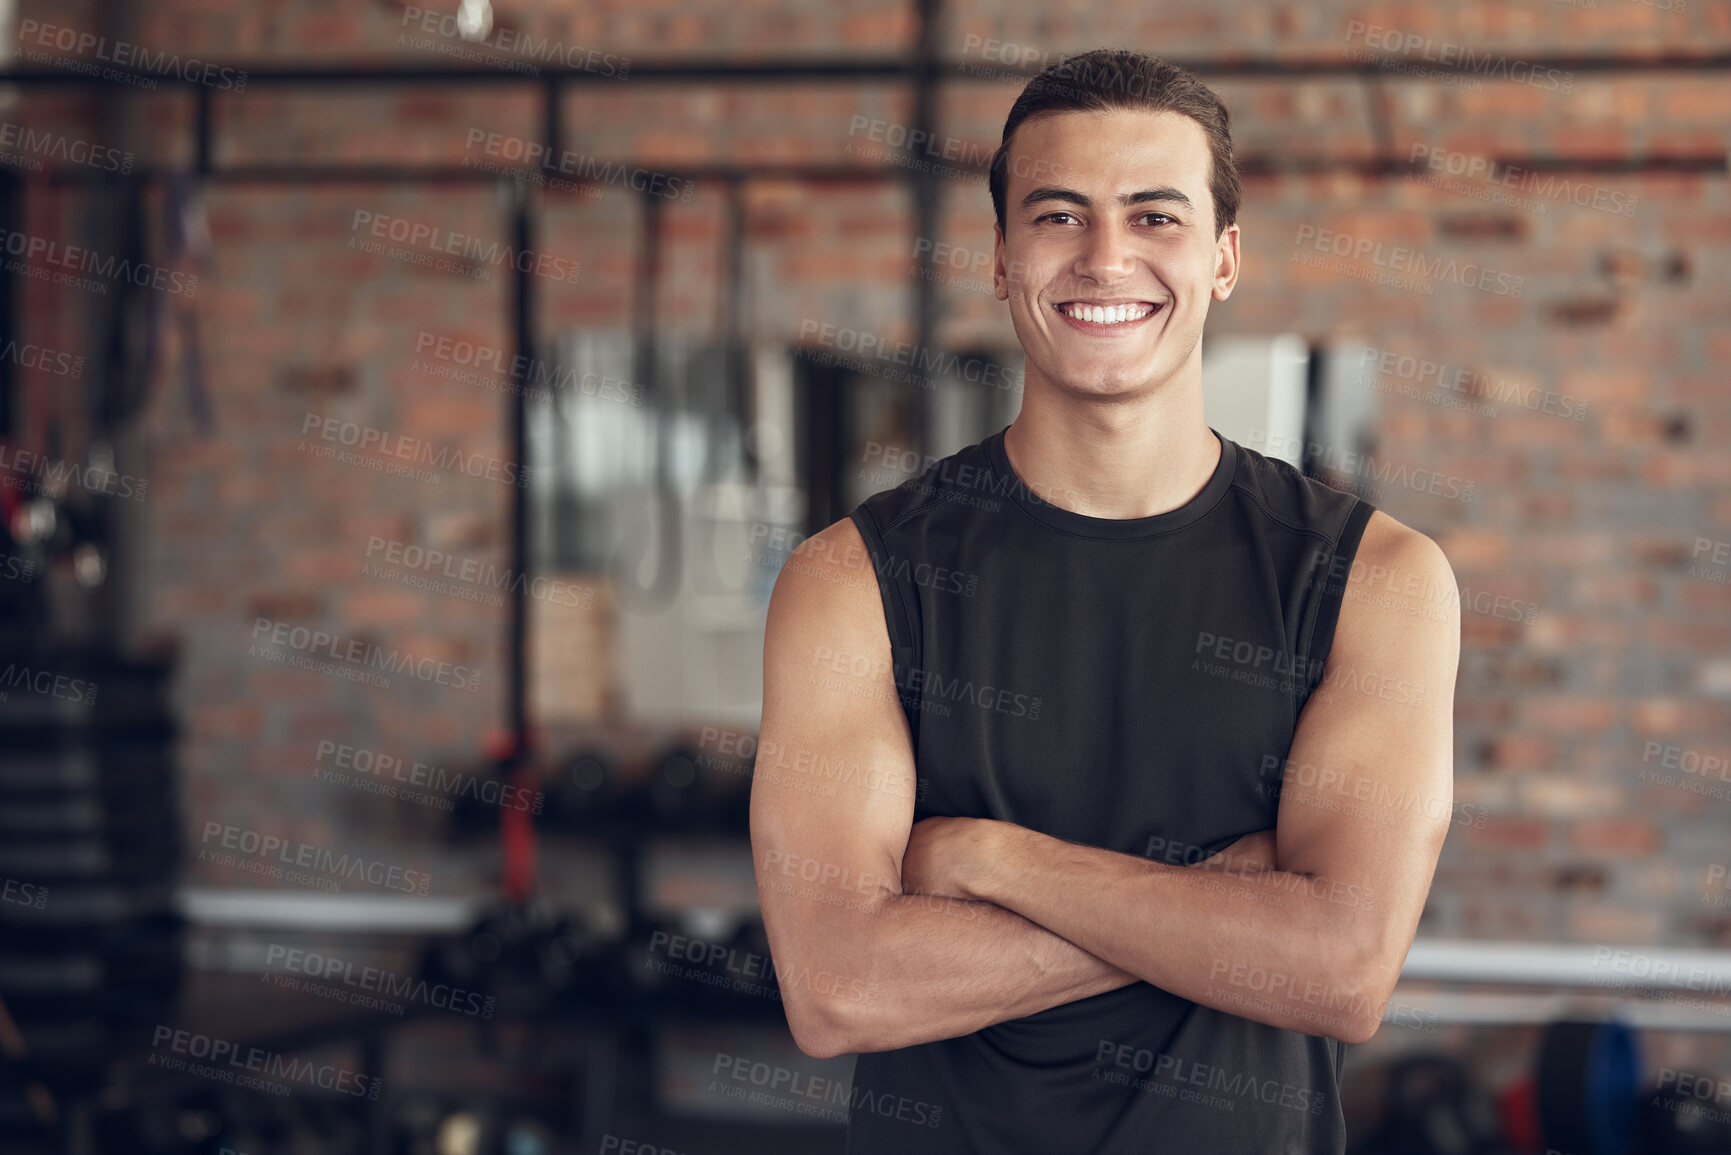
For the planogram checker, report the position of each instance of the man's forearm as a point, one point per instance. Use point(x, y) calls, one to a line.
point(1276, 947)
point(917, 968)
point(929, 966)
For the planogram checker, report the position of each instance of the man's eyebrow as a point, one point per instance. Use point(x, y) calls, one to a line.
point(1164, 194)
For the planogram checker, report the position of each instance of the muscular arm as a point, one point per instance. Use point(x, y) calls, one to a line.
point(1316, 945)
point(862, 965)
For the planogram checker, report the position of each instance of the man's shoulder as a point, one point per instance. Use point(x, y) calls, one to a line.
point(931, 485)
point(1400, 597)
point(1285, 496)
point(1410, 567)
point(835, 572)
point(828, 571)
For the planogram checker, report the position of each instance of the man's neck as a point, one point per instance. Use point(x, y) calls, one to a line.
point(1110, 459)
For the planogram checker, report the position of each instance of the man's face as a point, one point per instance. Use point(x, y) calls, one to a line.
point(1111, 211)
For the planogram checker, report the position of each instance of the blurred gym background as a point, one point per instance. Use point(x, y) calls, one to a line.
point(405, 410)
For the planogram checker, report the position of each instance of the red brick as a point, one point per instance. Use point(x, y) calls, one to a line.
point(1616, 837)
point(1525, 833)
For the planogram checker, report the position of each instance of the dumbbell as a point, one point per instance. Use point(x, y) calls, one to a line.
point(590, 791)
point(1691, 1117)
point(691, 790)
point(1431, 1106)
point(526, 957)
point(1587, 1086)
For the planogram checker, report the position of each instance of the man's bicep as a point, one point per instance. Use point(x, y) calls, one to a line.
point(1367, 793)
point(832, 797)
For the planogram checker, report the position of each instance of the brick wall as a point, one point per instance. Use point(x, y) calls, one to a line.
point(1596, 523)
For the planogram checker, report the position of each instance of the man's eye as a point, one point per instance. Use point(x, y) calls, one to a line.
point(1159, 216)
point(1051, 216)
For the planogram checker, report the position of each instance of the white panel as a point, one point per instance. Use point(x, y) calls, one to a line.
point(1253, 392)
point(773, 421)
point(1347, 409)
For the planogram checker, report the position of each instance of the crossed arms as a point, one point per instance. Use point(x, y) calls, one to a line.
point(887, 934)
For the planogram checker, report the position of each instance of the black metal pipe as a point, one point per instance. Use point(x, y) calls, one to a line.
point(202, 133)
point(552, 124)
point(1252, 165)
point(854, 70)
point(646, 287)
point(646, 367)
point(927, 191)
point(523, 319)
point(12, 190)
point(730, 321)
point(311, 173)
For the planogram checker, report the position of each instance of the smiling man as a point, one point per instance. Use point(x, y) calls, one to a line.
point(1108, 791)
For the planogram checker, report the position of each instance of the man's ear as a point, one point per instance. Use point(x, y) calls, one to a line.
point(1226, 263)
point(1000, 272)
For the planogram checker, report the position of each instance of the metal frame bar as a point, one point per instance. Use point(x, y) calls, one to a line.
point(925, 69)
point(805, 69)
point(1445, 960)
point(1672, 994)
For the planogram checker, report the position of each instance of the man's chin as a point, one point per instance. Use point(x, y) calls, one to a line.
point(1105, 385)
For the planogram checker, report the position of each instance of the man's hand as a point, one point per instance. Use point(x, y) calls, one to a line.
point(1253, 850)
point(944, 854)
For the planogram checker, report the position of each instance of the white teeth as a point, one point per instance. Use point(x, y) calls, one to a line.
point(1107, 314)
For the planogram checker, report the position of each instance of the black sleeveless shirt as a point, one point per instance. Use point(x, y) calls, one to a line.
point(1129, 684)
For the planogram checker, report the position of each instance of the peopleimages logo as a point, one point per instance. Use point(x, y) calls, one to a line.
point(432, 239)
point(778, 545)
point(1492, 66)
point(1176, 1077)
point(511, 41)
point(746, 972)
point(415, 449)
point(358, 654)
point(47, 360)
point(122, 52)
point(975, 268)
point(373, 981)
point(866, 350)
point(1377, 472)
point(28, 894)
point(1656, 971)
point(358, 764)
point(468, 578)
point(576, 166)
point(1468, 385)
point(304, 855)
point(34, 473)
point(231, 1062)
point(918, 139)
point(1363, 796)
point(1400, 259)
point(1521, 180)
point(810, 771)
point(1718, 555)
point(47, 683)
point(815, 1095)
point(65, 264)
point(23, 144)
point(922, 688)
point(475, 364)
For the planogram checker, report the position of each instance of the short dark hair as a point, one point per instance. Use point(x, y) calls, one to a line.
point(1109, 78)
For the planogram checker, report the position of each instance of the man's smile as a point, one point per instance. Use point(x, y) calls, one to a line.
point(1106, 316)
